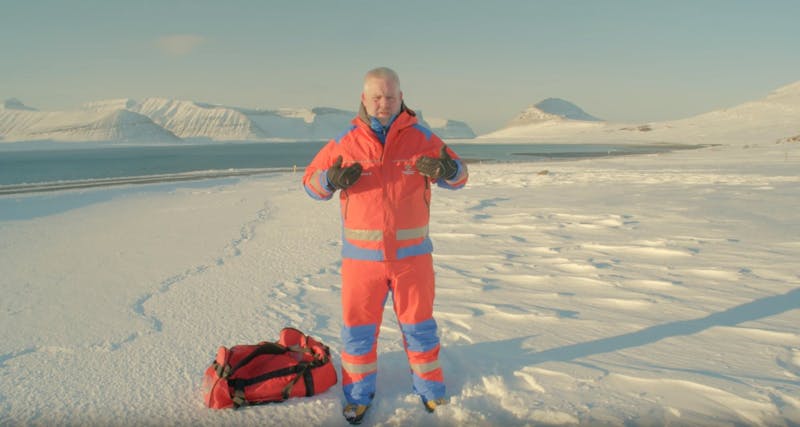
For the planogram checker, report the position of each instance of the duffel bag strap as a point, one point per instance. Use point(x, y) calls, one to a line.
point(223, 371)
point(308, 377)
point(298, 349)
point(238, 394)
point(301, 371)
point(263, 348)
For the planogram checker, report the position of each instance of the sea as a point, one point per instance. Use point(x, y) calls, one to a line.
point(51, 169)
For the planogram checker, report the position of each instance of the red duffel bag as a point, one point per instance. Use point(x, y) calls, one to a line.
point(296, 365)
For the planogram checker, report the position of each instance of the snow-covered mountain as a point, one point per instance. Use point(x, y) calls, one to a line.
point(122, 125)
point(302, 124)
point(550, 117)
point(551, 110)
point(446, 128)
point(773, 118)
point(116, 125)
point(171, 120)
point(189, 120)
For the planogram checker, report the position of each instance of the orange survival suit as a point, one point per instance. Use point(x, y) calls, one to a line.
point(386, 247)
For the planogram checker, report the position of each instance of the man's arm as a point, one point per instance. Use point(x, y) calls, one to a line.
point(323, 178)
point(315, 179)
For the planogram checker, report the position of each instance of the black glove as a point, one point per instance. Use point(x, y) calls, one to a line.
point(442, 167)
point(341, 178)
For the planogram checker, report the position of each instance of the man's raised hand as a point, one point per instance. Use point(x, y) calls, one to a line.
point(438, 167)
point(341, 178)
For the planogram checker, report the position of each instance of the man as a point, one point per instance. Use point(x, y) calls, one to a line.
point(383, 166)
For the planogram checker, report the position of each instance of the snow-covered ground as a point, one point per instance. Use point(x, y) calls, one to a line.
point(630, 291)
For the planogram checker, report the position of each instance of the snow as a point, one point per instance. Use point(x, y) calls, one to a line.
point(81, 126)
point(173, 120)
point(623, 291)
point(446, 128)
point(771, 118)
point(630, 291)
point(564, 109)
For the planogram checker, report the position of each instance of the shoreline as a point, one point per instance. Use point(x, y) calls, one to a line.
point(469, 158)
point(13, 189)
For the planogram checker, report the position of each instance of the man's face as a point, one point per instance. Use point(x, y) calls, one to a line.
point(381, 98)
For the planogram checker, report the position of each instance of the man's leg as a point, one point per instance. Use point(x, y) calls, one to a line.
point(413, 293)
point(364, 292)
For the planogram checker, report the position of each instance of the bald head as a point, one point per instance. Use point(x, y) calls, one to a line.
point(382, 97)
point(382, 73)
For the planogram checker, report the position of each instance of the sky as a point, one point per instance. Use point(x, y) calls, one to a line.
point(481, 62)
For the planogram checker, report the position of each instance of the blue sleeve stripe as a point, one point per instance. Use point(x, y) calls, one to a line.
point(458, 182)
point(317, 186)
point(324, 183)
point(316, 196)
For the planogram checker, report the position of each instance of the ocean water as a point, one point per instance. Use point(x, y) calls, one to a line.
point(96, 163)
point(24, 170)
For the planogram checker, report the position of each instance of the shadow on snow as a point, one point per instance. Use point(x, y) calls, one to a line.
point(467, 362)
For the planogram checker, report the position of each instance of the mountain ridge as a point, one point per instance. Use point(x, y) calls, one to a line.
point(182, 120)
point(551, 110)
point(774, 117)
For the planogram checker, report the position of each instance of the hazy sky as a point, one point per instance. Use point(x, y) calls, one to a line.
point(478, 61)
